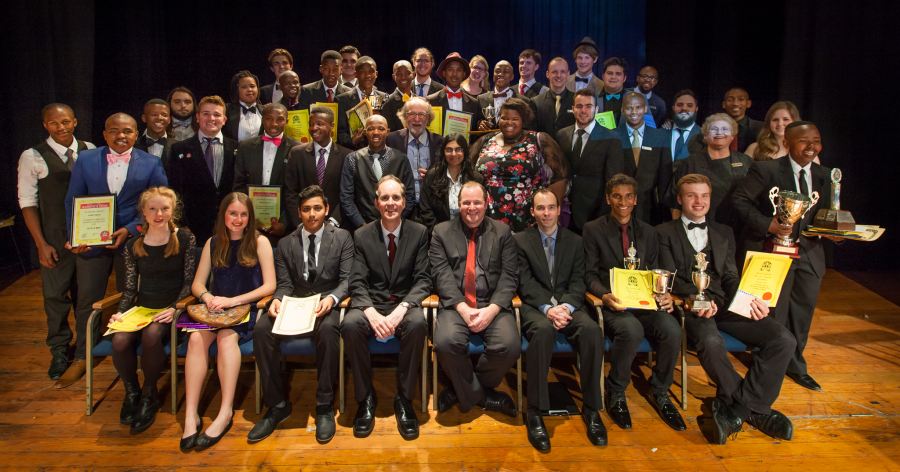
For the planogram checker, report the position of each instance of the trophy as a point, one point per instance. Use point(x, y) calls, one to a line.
point(834, 217)
point(632, 262)
point(663, 281)
point(490, 115)
point(376, 102)
point(701, 280)
point(789, 208)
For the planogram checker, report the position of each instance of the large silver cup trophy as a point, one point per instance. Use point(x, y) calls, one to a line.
point(663, 281)
point(490, 115)
point(701, 280)
point(789, 208)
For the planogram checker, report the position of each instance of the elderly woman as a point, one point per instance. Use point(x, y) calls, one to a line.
point(439, 200)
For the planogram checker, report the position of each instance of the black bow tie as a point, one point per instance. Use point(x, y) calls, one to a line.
point(148, 141)
point(697, 225)
point(246, 110)
point(582, 79)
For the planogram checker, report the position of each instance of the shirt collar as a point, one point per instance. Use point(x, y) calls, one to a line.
point(201, 135)
point(685, 220)
point(164, 135)
point(587, 129)
point(796, 167)
point(427, 82)
point(306, 233)
point(640, 130)
point(501, 91)
point(60, 149)
point(422, 139)
point(385, 232)
point(316, 148)
point(589, 76)
point(544, 235)
point(458, 177)
point(530, 83)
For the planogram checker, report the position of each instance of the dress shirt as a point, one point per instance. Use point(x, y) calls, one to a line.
point(687, 132)
point(334, 93)
point(795, 168)
point(181, 130)
point(528, 85)
point(640, 129)
point(425, 86)
point(32, 168)
point(587, 135)
point(552, 237)
point(316, 149)
point(579, 84)
point(218, 154)
point(454, 103)
point(250, 122)
point(419, 155)
point(499, 101)
point(116, 173)
point(699, 238)
point(157, 148)
point(387, 239)
point(269, 151)
point(349, 83)
point(304, 239)
point(277, 94)
point(362, 95)
point(453, 193)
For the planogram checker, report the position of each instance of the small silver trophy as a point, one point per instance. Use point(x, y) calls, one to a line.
point(701, 280)
point(663, 281)
point(490, 115)
point(375, 101)
point(632, 262)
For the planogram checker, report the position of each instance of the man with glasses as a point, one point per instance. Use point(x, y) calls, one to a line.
point(422, 146)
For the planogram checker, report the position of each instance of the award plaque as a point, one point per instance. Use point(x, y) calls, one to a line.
point(834, 217)
point(266, 203)
point(93, 220)
point(789, 208)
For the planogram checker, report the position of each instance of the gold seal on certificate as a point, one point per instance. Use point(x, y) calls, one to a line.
point(266, 203)
point(93, 219)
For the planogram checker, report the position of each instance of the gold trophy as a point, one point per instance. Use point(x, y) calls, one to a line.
point(701, 280)
point(632, 262)
point(790, 208)
point(834, 217)
point(376, 102)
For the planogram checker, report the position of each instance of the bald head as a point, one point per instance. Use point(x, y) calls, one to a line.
point(120, 132)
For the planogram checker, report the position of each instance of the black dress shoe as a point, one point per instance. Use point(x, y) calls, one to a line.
point(617, 409)
point(131, 403)
point(596, 430)
point(206, 442)
point(668, 412)
point(806, 381)
point(446, 399)
point(58, 363)
point(189, 442)
point(721, 423)
point(775, 424)
point(537, 432)
point(364, 421)
point(146, 415)
point(265, 426)
point(498, 401)
point(325, 426)
point(407, 421)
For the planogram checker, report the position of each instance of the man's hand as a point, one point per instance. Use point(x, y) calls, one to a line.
point(119, 236)
point(610, 301)
point(358, 136)
point(422, 172)
point(779, 229)
point(666, 302)
point(77, 249)
point(274, 307)
point(396, 316)
point(47, 255)
point(466, 312)
point(325, 305)
point(483, 318)
point(758, 309)
point(710, 312)
point(378, 323)
point(559, 315)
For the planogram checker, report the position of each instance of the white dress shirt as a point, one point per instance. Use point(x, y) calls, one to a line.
point(269, 151)
point(305, 240)
point(699, 238)
point(454, 103)
point(499, 101)
point(795, 168)
point(250, 122)
point(32, 168)
point(453, 193)
point(387, 239)
point(157, 148)
point(117, 172)
point(277, 94)
point(587, 135)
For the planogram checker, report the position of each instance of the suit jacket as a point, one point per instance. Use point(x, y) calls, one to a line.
point(603, 250)
point(358, 185)
point(316, 91)
point(536, 287)
point(248, 166)
point(346, 101)
point(189, 176)
point(142, 143)
point(533, 91)
point(601, 159)
point(547, 120)
point(595, 84)
point(487, 98)
point(496, 259)
point(754, 209)
point(676, 253)
point(375, 282)
point(333, 265)
point(300, 172)
point(748, 131)
point(470, 105)
point(390, 108)
point(434, 205)
point(89, 178)
point(233, 113)
point(690, 141)
point(653, 173)
point(399, 139)
point(265, 93)
point(433, 87)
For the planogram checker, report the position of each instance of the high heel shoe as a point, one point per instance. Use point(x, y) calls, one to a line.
point(205, 442)
point(190, 442)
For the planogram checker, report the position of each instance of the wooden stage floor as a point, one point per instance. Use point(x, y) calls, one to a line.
point(854, 352)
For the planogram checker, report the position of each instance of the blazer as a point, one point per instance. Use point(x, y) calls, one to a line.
point(358, 184)
point(496, 259)
point(536, 287)
point(595, 84)
point(248, 165)
point(89, 178)
point(601, 159)
point(399, 139)
point(316, 91)
point(433, 87)
point(487, 98)
point(434, 206)
point(692, 143)
point(142, 144)
point(470, 105)
point(346, 101)
point(390, 108)
point(300, 172)
point(375, 282)
point(233, 121)
point(603, 250)
point(676, 253)
point(546, 118)
point(533, 91)
point(333, 265)
point(265, 93)
point(189, 177)
point(654, 172)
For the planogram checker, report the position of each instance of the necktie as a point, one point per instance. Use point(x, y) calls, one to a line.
point(320, 166)
point(579, 142)
point(454, 94)
point(614, 96)
point(392, 248)
point(548, 251)
point(70, 159)
point(636, 147)
point(420, 90)
point(376, 166)
point(311, 259)
point(469, 285)
point(558, 98)
point(522, 89)
point(329, 94)
point(623, 229)
point(804, 188)
point(250, 109)
point(276, 140)
point(112, 158)
point(503, 94)
point(680, 150)
point(581, 79)
point(208, 156)
point(697, 225)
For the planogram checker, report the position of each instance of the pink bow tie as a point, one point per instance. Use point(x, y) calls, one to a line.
point(276, 141)
point(112, 157)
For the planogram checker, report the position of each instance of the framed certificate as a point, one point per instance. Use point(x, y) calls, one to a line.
point(266, 202)
point(93, 220)
point(458, 122)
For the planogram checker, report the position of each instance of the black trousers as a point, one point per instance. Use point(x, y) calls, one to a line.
point(627, 329)
point(92, 275)
point(502, 346)
point(759, 389)
point(796, 305)
point(267, 349)
point(59, 291)
point(583, 333)
point(411, 332)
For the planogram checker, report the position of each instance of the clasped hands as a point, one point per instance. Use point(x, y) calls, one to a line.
point(384, 326)
point(477, 319)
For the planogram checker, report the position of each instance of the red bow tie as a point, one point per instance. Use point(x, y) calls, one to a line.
point(112, 157)
point(276, 141)
point(454, 94)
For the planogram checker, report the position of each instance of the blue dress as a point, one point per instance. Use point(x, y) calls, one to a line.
point(235, 279)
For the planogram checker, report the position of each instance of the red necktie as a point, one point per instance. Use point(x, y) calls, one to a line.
point(454, 94)
point(392, 248)
point(276, 140)
point(625, 243)
point(521, 89)
point(469, 279)
point(330, 95)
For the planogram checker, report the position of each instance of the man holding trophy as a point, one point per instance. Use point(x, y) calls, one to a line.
point(797, 182)
point(701, 253)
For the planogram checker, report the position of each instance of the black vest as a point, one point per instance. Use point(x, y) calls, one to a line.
point(52, 194)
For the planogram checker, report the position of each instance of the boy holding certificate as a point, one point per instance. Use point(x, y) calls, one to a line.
point(737, 400)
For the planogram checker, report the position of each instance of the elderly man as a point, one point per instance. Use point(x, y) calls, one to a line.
point(423, 148)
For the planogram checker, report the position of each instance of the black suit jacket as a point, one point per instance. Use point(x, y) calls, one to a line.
point(676, 253)
point(497, 263)
point(434, 205)
point(533, 91)
point(233, 122)
point(316, 91)
point(546, 118)
point(142, 144)
point(265, 93)
point(189, 176)
point(390, 108)
point(248, 166)
point(346, 101)
point(603, 250)
point(653, 173)
point(433, 87)
point(300, 172)
point(333, 265)
point(375, 282)
point(470, 105)
point(398, 140)
point(601, 159)
point(487, 98)
point(358, 195)
point(535, 286)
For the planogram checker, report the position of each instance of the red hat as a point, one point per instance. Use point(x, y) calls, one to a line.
point(453, 56)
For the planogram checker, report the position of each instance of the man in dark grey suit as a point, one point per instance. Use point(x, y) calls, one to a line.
point(551, 285)
point(554, 103)
point(390, 278)
point(474, 267)
point(315, 258)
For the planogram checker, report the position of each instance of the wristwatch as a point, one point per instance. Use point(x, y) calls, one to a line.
point(406, 305)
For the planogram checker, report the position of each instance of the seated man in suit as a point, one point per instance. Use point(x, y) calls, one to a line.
point(454, 69)
point(156, 119)
point(261, 161)
point(316, 258)
point(553, 105)
point(295, 97)
point(181, 104)
point(364, 168)
point(594, 155)
point(280, 60)
point(686, 137)
point(609, 97)
point(126, 172)
point(551, 285)
point(647, 79)
point(585, 55)
point(243, 116)
point(801, 288)
point(329, 87)
point(403, 76)
point(736, 103)
point(607, 241)
point(390, 279)
point(423, 148)
point(366, 74)
point(201, 169)
point(503, 75)
point(349, 56)
point(529, 63)
point(475, 268)
point(423, 61)
point(647, 158)
point(737, 400)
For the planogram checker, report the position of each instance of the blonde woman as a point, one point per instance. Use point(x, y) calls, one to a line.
point(770, 142)
point(477, 83)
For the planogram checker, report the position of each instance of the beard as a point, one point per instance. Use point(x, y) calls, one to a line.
point(684, 119)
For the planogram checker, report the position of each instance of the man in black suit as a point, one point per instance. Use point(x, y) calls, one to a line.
point(736, 103)
point(156, 120)
point(423, 61)
point(555, 102)
point(594, 156)
point(280, 60)
point(390, 279)
point(474, 265)
point(607, 241)
point(529, 64)
point(366, 74)
point(402, 74)
point(503, 75)
point(647, 79)
point(364, 168)
point(551, 285)
point(327, 89)
point(201, 169)
point(261, 161)
point(751, 201)
point(737, 400)
point(295, 96)
point(610, 96)
point(454, 69)
point(423, 148)
point(686, 137)
point(316, 258)
point(316, 163)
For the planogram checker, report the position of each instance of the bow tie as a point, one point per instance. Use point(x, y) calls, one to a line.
point(454, 94)
point(176, 123)
point(501, 94)
point(112, 158)
point(276, 140)
point(697, 225)
point(617, 96)
point(582, 79)
point(150, 141)
point(246, 110)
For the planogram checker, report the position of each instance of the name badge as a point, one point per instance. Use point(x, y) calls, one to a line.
point(737, 164)
point(646, 148)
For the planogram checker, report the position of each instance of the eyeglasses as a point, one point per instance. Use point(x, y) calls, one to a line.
point(716, 130)
point(648, 76)
point(416, 114)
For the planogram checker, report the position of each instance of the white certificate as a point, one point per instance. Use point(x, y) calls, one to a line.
point(296, 316)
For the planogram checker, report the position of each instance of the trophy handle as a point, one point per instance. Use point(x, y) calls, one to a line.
point(814, 198)
point(672, 281)
point(773, 194)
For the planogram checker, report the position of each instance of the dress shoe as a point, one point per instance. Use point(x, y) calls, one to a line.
point(537, 432)
point(775, 424)
point(446, 399)
point(364, 421)
point(499, 402)
point(596, 430)
point(146, 415)
point(617, 409)
point(188, 443)
point(806, 381)
point(265, 426)
point(206, 442)
point(58, 363)
point(73, 374)
point(325, 426)
point(407, 421)
point(721, 423)
point(131, 403)
point(668, 412)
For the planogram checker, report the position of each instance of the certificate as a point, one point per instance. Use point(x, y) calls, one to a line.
point(297, 127)
point(133, 320)
point(266, 203)
point(437, 124)
point(93, 219)
point(356, 116)
point(296, 316)
point(334, 110)
point(458, 122)
point(632, 288)
point(764, 274)
point(606, 119)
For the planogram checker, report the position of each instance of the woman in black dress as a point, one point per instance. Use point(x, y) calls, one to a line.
point(439, 200)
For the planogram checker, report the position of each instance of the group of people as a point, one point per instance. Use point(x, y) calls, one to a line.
point(541, 206)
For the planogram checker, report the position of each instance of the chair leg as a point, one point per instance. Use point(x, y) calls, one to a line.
point(89, 364)
point(258, 387)
point(518, 386)
point(341, 374)
point(424, 377)
point(434, 364)
point(173, 365)
point(650, 359)
point(684, 377)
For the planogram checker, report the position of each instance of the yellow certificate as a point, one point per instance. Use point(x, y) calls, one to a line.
point(764, 274)
point(93, 219)
point(356, 116)
point(632, 288)
point(334, 109)
point(458, 122)
point(606, 119)
point(437, 124)
point(134, 319)
point(297, 127)
point(266, 203)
